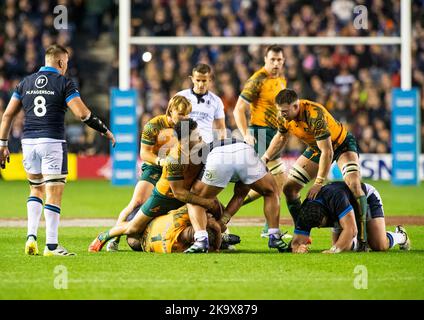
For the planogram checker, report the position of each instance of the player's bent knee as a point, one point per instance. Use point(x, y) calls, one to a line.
point(291, 189)
point(379, 246)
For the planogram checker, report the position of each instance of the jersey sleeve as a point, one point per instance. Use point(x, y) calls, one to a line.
point(318, 124)
point(301, 228)
point(18, 92)
point(282, 125)
point(252, 89)
point(340, 205)
point(71, 90)
point(150, 134)
point(219, 112)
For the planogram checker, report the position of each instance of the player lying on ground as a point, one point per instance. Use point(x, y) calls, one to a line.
point(334, 207)
point(234, 160)
point(327, 141)
point(156, 141)
point(173, 232)
point(171, 191)
point(45, 96)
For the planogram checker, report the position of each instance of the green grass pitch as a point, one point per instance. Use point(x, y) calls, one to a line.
point(252, 272)
point(99, 199)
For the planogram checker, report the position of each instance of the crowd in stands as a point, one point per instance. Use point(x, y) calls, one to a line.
point(26, 29)
point(353, 82)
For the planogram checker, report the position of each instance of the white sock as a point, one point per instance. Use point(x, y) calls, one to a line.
point(34, 209)
point(52, 215)
point(355, 244)
point(274, 231)
point(201, 235)
point(395, 238)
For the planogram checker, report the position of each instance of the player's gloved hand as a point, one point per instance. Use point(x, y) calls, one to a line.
point(4, 156)
point(111, 137)
point(249, 139)
point(312, 193)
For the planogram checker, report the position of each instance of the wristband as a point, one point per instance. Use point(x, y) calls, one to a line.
point(95, 123)
point(3, 143)
point(319, 180)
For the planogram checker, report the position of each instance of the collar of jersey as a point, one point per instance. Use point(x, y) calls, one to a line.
point(48, 69)
point(199, 96)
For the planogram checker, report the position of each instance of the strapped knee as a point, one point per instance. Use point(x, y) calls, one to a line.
point(36, 182)
point(349, 168)
point(276, 166)
point(299, 175)
point(55, 179)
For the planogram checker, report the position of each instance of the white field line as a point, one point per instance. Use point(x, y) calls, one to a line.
point(226, 280)
point(21, 223)
point(235, 222)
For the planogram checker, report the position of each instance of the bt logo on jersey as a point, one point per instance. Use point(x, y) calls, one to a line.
point(41, 81)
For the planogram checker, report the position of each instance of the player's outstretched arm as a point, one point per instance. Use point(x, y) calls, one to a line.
point(240, 117)
point(324, 166)
point(147, 154)
point(349, 232)
point(11, 111)
point(219, 126)
point(277, 143)
point(182, 194)
point(80, 110)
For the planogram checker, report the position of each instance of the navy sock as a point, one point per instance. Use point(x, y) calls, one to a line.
point(31, 235)
point(52, 246)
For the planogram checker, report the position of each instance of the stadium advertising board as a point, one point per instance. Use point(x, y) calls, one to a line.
point(405, 137)
point(124, 126)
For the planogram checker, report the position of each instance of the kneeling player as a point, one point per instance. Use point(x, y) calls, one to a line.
point(173, 232)
point(334, 207)
point(237, 161)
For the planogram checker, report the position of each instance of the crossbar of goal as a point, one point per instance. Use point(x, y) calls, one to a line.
point(125, 40)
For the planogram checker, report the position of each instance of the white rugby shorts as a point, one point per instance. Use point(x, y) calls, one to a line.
point(46, 156)
point(233, 162)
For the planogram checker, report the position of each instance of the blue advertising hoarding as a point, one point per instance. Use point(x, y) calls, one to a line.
point(406, 139)
point(124, 127)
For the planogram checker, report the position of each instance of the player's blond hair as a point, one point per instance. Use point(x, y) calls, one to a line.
point(179, 103)
point(55, 50)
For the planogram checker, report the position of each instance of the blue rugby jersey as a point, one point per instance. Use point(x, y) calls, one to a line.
point(338, 200)
point(44, 96)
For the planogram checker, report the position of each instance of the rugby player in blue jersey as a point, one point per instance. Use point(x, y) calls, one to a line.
point(45, 96)
point(335, 207)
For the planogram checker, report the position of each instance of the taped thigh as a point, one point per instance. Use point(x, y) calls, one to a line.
point(55, 179)
point(350, 167)
point(299, 175)
point(276, 166)
point(36, 182)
